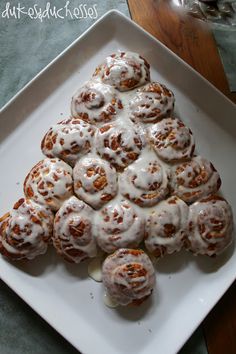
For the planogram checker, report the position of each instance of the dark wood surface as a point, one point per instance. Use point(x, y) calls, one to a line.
point(188, 37)
point(193, 41)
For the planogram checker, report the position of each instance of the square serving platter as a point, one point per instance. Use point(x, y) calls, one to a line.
point(187, 287)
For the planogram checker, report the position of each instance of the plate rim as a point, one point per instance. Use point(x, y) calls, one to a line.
point(37, 76)
point(112, 12)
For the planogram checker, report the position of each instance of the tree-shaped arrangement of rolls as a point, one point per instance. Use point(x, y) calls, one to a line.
point(120, 174)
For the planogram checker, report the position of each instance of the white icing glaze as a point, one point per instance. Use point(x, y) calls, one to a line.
point(96, 102)
point(118, 144)
point(151, 103)
point(72, 236)
point(166, 227)
point(118, 225)
point(128, 276)
point(95, 269)
point(109, 302)
point(49, 182)
point(26, 231)
point(172, 140)
point(145, 182)
point(68, 140)
point(124, 70)
point(194, 179)
point(122, 143)
point(210, 226)
point(95, 181)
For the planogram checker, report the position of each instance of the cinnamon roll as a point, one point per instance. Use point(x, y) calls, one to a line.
point(68, 140)
point(26, 230)
point(96, 102)
point(95, 181)
point(118, 144)
point(210, 226)
point(128, 276)
point(49, 183)
point(144, 182)
point(172, 140)
point(72, 236)
point(194, 179)
point(166, 227)
point(118, 225)
point(124, 71)
point(152, 102)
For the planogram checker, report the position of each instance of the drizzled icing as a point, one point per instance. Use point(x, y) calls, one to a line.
point(26, 231)
point(119, 145)
point(166, 227)
point(194, 179)
point(95, 181)
point(96, 102)
point(68, 140)
point(151, 103)
point(72, 236)
point(128, 276)
point(118, 225)
point(145, 182)
point(49, 183)
point(119, 148)
point(210, 226)
point(171, 140)
point(124, 71)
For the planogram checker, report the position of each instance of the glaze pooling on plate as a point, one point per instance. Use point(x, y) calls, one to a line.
point(95, 269)
point(96, 102)
point(151, 103)
point(26, 230)
point(124, 71)
point(128, 276)
point(210, 226)
point(172, 140)
point(68, 140)
point(166, 227)
point(194, 179)
point(49, 183)
point(72, 236)
point(145, 182)
point(95, 181)
point(133, 171)
point(119, 225)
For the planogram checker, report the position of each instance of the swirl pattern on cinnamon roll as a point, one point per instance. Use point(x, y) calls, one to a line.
point(68, 140)
point(210, 226)
point(172, 140)
point(118, 144)
point(124, 71)
point(144, 182)
point(118, 225)
point(96, 102)
point(166, 227)
point(49, 183)
point(194, 179)
point(95, 181)
point(26, 230)
point(152, 102)
point(128, 276)
point(72, 236)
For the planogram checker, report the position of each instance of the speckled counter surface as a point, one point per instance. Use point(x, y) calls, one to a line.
point(26, 46)
point(226, 42)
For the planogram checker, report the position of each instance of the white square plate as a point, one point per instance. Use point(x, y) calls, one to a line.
point(62, 294)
